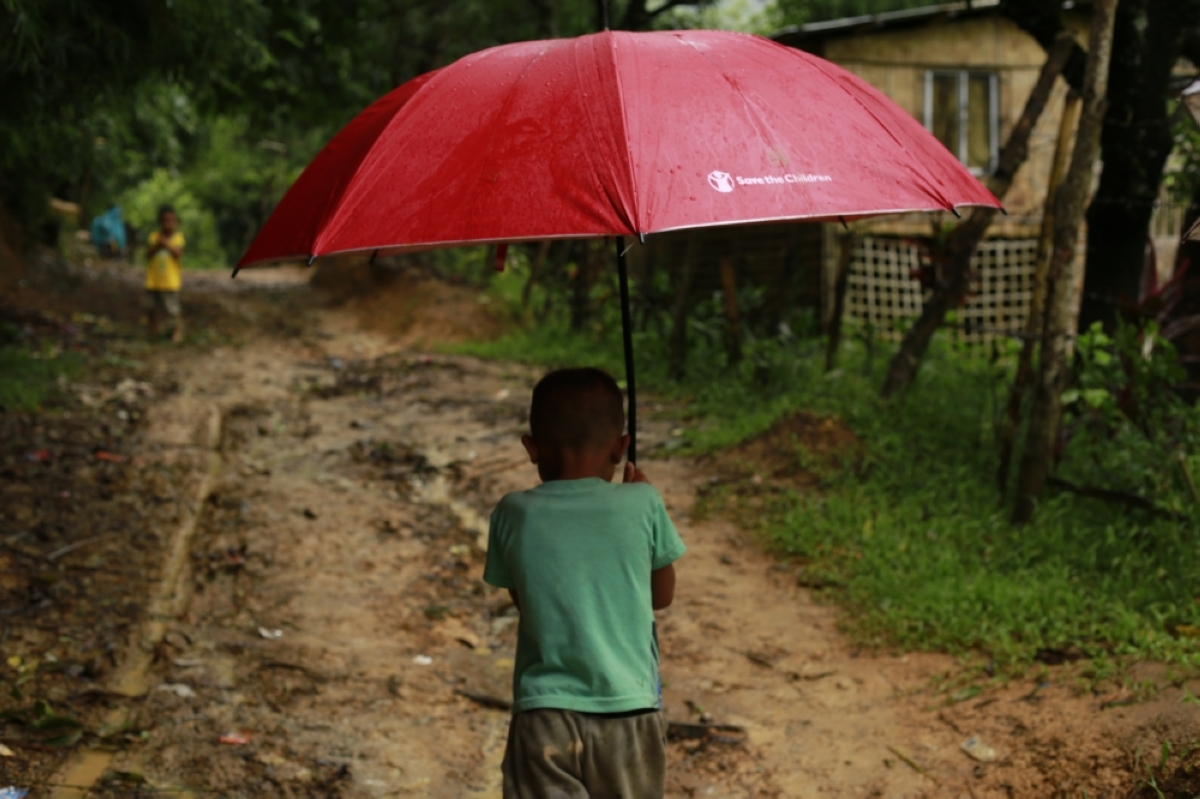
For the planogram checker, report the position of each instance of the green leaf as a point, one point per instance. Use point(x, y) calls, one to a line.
point(1096, 397)
point(66, 739)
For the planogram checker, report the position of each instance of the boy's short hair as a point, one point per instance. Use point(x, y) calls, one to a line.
point(166, 208)
point(576, 409)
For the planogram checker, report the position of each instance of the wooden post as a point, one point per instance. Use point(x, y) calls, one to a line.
point(964, 239)
point(685, 277)
point(581, 286)
point(833, 331)
point(1069, 205)
point(1033, 322)
point(733, 333)
point(534, 269)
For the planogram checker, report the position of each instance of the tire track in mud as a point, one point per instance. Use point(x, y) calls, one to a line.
point(85, 768)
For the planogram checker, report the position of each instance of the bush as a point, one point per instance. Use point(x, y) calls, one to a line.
point(140, 205)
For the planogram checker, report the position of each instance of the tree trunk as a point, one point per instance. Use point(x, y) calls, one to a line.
point(1037, 304)
point(581, 287)
point(535, 269)
point(1137, 140)
point(733, 330)
point(1069, 204)
point(955, 254)
point(685, 278)
point(834, 333)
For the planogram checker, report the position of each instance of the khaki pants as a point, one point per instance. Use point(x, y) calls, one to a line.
point(560, 754)
point(163, 303)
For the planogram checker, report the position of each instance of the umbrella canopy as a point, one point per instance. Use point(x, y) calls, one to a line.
point(612, 134)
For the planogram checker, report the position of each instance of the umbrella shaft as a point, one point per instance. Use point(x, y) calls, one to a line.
point(627, 340)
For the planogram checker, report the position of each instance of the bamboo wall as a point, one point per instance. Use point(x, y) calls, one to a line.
point(896, 62)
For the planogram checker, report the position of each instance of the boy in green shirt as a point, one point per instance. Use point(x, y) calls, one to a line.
point(587, 563)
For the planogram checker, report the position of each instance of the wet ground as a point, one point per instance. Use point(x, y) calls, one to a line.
point(272, 588)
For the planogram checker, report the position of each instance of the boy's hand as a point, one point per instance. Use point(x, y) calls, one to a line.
point(634, 475)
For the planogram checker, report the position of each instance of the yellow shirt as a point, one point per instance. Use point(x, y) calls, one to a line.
point(164, 272)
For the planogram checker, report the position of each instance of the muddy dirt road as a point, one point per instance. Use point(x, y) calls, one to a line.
point(327, 632)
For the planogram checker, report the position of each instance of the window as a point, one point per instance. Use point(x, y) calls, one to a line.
point(962, 111)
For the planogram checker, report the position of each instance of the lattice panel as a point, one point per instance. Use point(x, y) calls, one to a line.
point(1001, 293)
point(881, 288)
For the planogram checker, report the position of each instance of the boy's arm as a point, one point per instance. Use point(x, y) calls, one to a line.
point(662, 588)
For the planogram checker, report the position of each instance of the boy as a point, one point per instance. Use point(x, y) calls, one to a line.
point(587, 563)
point(164, 274)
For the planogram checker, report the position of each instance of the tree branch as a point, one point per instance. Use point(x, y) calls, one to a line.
point(1043, 21)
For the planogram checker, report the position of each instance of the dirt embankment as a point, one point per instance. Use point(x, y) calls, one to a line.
point(412, 306)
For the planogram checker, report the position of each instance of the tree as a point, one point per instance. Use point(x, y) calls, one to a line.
point(1069, 203)
point(1137, 141)
point(62, 60)
point(1149, 37)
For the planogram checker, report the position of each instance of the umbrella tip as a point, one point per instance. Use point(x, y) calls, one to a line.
point(236, 269)
point(641, 238)
point(311, 258)
point(955, 211)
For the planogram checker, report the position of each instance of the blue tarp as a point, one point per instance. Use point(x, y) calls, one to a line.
point(109, 229)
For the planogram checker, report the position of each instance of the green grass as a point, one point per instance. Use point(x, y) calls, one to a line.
point(28, 379)
point(914, 534)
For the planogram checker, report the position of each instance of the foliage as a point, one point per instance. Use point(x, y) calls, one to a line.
point(29, 379)
point(140, 206)
point(798, 12)
point(748, 16)
point(1182, 177)
point(1128, 428)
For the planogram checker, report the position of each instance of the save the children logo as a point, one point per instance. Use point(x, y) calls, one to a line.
point(724, 182)
point(721, 181)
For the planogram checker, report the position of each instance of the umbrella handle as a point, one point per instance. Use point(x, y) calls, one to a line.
point(627, 340)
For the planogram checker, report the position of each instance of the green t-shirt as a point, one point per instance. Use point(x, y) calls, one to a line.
point(579, 554)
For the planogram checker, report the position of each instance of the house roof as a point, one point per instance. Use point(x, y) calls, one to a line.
point(796, 34)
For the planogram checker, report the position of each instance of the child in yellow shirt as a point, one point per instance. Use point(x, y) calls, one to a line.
point(164, 273)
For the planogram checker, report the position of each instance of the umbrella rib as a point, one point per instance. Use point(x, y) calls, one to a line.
point(509, 99)
point(596, 173)
point(932, 181)
point(629, 160)
point(334, 204)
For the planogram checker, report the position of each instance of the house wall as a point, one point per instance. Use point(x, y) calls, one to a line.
point(896, 61)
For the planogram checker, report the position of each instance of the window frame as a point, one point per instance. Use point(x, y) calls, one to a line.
point(963, 79)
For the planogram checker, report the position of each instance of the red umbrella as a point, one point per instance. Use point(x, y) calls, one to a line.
point(612, 134)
